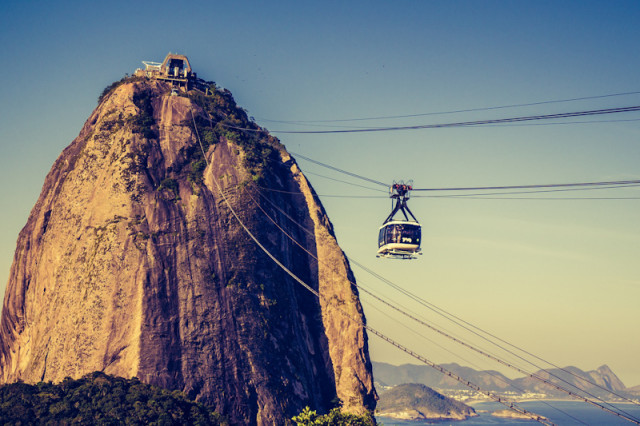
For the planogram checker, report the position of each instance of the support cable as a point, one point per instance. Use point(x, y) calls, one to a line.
point(358, 321)
point(377, 182)
point(588, 188)
point(476, 196)
point(493, 374)
point(363, 289)
point(583, 186)
point(347, 183)
point(584, 98)
point(440, 311)
point(449, 316)
point(455, 124)
point(617, 183)
point(511, 405)
point(534, 376)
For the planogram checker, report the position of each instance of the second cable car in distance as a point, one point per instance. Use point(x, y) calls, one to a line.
point(400, 239)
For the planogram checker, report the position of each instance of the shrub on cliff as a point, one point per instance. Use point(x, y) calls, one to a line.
point(143, 120)
point(223, 118)
point(309, 417)
point(100, 399)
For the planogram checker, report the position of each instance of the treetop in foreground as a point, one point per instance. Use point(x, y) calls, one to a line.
point(100, 399)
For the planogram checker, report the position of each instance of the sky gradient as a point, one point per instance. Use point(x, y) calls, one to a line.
point(560, 278)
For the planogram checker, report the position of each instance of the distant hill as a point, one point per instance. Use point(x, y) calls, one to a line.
point(634, 390)
point(391, 375)
point(415, 401)
point(100, 399)
point(602, 376)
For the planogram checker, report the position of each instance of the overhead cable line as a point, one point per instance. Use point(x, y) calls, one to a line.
point(454, 124)
point(622, 414)
point(454, 111)
point(453, 318)
point(448, 315)
point(493, 374)
point(564, 123)
point(534, 376)
point(528, 124)
point(509, 404)
point(281, 191)
point(482, 195)
point(356, 286)
point(377, 182)
point(472, 196)
point(571, 186)
point(479, 197)
point(502, 400)
point(366, 291)
point(618, 183)
point(345, 182)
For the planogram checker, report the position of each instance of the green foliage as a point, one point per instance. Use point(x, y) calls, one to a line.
point(309, 417)
point(100, 399)
point(170, 184)
point(224, 119)
point(197, 170)
point(209, 136)
point(112, 125)
point(141, 123)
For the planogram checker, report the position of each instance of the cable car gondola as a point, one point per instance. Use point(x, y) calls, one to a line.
point(400, 239)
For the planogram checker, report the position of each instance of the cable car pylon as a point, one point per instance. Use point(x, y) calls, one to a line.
point(400, 239)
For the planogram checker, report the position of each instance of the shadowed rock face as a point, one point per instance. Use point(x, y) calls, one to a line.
point(131, 263)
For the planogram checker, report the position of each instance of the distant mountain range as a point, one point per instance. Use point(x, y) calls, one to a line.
point(600, 382)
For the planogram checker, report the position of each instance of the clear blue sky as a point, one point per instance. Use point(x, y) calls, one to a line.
point(560, 278)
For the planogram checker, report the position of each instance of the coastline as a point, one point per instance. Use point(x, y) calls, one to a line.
point(560, 412)
point(520, 401)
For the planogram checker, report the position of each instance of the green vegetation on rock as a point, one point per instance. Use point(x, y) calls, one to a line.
point(100, 399)
point(142, 122)
point(170, 184)
point(197, 171)
point(224, 119)
point(309, 417)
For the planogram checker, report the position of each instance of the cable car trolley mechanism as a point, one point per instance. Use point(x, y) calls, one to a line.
point(400, 239)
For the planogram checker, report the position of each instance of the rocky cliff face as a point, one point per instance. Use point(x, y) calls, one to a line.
point(131, 263)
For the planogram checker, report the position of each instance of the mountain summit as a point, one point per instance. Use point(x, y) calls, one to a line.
point(133, 263)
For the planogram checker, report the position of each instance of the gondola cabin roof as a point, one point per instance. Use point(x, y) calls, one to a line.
point(401, 222)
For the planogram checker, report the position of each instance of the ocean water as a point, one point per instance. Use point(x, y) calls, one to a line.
point(559, 412)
